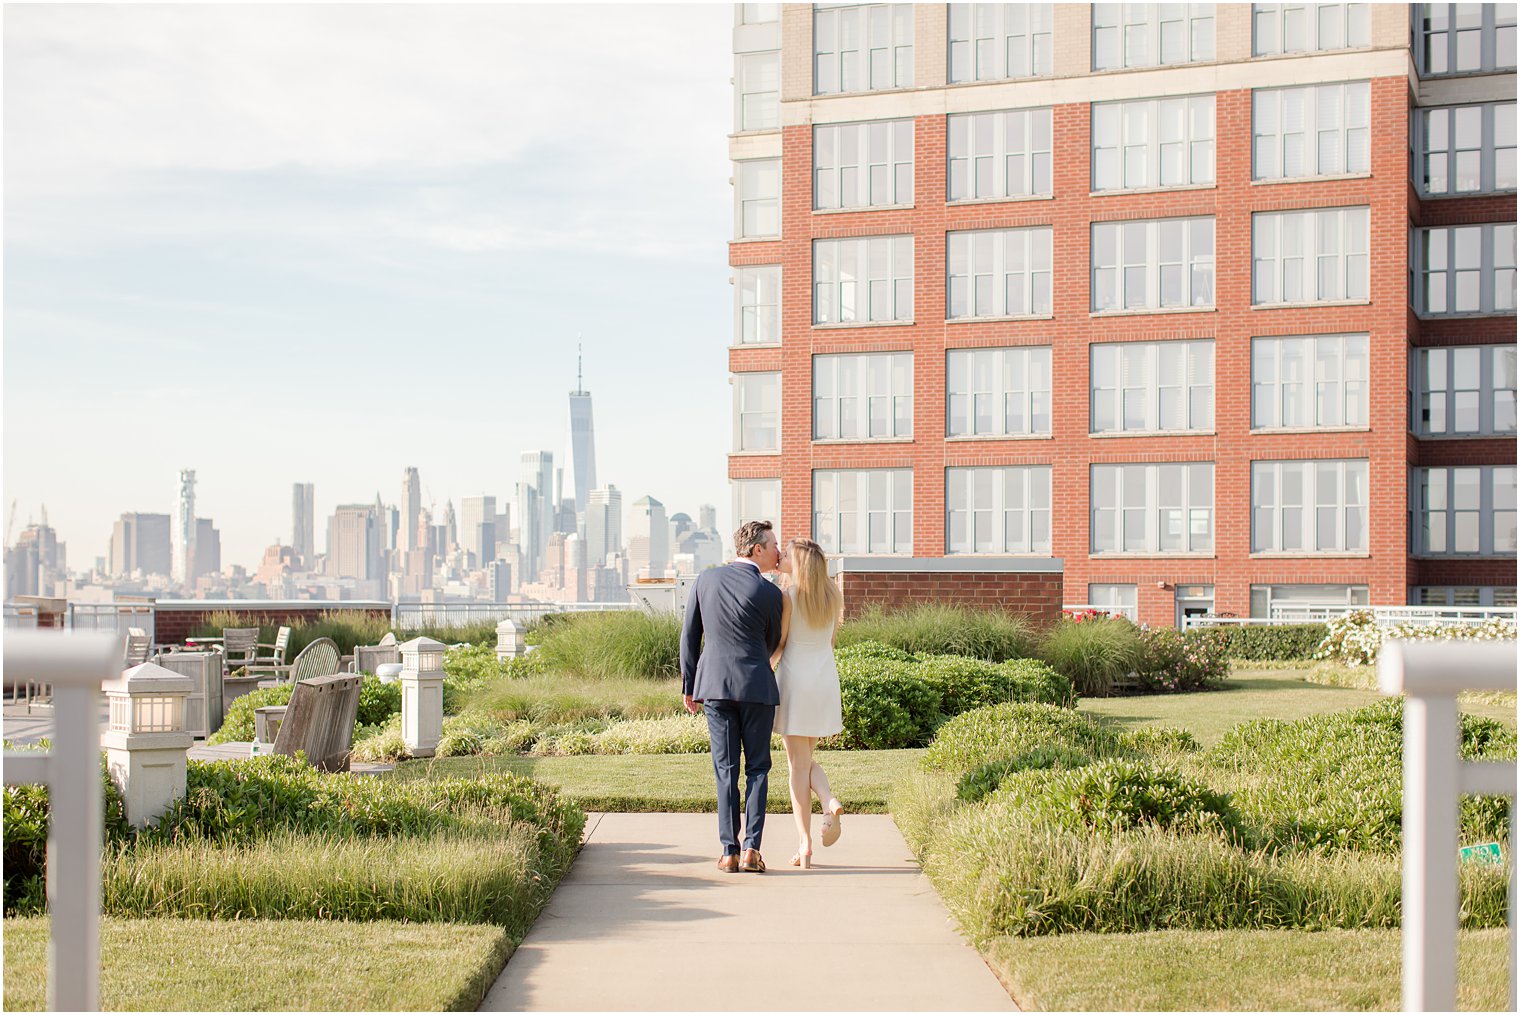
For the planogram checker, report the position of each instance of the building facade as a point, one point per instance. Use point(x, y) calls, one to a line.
point(140, 544)
point(1214, 304)
point(303, 523)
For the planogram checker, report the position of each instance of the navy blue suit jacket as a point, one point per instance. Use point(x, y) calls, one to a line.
point(738, 613)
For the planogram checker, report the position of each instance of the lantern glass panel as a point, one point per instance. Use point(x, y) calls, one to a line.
point(158, 714)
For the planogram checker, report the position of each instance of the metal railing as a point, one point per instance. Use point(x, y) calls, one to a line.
point(409, 616)
point(115, 617)
point(1430, 675)
point(1383, 616)
point(75, 665)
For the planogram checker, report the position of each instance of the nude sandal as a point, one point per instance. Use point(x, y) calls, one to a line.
point(803, 860)
point(831, 825)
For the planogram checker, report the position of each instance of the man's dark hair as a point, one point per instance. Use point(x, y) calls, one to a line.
point(749, 536)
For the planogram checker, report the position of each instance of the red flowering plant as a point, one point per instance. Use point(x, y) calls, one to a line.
point(1174, 661)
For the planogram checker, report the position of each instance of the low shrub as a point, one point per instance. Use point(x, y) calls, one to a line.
point(1280, 643)
point(873, 650)
point(886, 705)
point(1162, 740)
point(1093, 652)
point(1356, 638)
point(1005, 731)
point(965, 683)
point(1119, 795)
point(1176, 661)
point(942, 629)
point(986, 778)
point(677, 734)
point(26, 812)
point(624, 643)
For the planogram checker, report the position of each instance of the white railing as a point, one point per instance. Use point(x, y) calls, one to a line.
point(1430, 675)
point(111, 617)
point(75, 665)
point(1127, 612)
point(410, 616)
point(1383, 616)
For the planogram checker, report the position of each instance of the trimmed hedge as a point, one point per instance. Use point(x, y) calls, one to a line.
point(1280, 644)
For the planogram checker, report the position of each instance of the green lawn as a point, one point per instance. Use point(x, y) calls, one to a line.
point(270, 965)
point(676, 782)
point(1256, 970)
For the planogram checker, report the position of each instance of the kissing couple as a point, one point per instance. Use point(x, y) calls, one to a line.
point(758, 660)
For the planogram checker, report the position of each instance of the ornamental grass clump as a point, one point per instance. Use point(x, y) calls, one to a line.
point(1092, 652)
point(618, 644)
point(942, 629)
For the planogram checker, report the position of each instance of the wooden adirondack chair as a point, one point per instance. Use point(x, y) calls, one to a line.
point(139, 645)
point(318, 659)
point(239, 646)
point(270, 665)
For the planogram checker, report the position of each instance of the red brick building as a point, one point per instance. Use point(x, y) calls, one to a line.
point(1215, 304)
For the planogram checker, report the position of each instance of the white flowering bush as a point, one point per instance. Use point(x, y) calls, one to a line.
point(1356, 638)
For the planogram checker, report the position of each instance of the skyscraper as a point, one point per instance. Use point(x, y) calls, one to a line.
point(604, 524)
point(535, 510)
point(582, 446)
point(411, 508)
point(140, 543)
point(354, 543)
point(477, 528)
point(648, 539)
point(303, 534)
point(184, 530)
point(208, 549)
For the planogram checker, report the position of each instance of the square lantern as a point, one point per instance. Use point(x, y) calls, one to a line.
point(509, 640)
point(422, 695)
point(422, 656)
point(146, 740)
point(148, 699)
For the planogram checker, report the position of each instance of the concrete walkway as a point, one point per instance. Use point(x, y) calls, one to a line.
point(645, 922)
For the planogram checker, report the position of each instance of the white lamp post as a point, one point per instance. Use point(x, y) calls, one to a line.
point(422, 695)
point(509, 640)
point(146, 739)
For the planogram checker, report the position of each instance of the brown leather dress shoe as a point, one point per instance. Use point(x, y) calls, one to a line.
point(751, 863)
point(729, 863)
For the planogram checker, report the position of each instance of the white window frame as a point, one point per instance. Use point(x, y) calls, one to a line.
point(1333, 135)
point(867, 164)
point(1130, 153)
point(1308, 374)
point(758, 90)
point(998, 42)
point(1115, 598)
point(1324, 26)
point(863, 396)
point(890, 513)
point(1002, 510)
point(870, 48)
point(985, 267)
point(1447, 595)
point(1440, 404)
point(752, 495)
point(998, 385)
point(1348, 595)
point(1433, 492)
point(1130, 35)
point(1137, 492)
point(884, 284)
point(757, 304)
point(757, 403)
point(1270, 512)
point(1142, 383)
point(1000, 155)
point(1137, 251)
point(1494, 160)
point(1491, 279)
point(1305, 269)
point(759, 14)
point(751, 203)
point(1491, 25)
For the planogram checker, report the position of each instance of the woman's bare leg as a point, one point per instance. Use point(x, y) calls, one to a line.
point(820, 785)
point(800, 766)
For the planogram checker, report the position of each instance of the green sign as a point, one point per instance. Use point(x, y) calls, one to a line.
point(1488, 852)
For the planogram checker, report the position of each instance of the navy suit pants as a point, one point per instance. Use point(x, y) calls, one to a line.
point(736, 726)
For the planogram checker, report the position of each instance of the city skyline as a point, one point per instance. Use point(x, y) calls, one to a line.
point(319, 244)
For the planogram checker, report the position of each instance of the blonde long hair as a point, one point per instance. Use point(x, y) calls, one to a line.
point(819, 600)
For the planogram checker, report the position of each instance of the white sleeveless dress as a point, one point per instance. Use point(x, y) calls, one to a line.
point(808, 681)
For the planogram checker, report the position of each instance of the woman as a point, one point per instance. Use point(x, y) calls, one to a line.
point(809, 684)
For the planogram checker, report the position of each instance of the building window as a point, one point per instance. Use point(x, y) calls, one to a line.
point(863, 280)
point(990, 42)
point(1151, 35)
point(1466, 149)
point(1117, 600)
point(860, 165)
point(1315, 256)
point(758, 288)
point(1269, 601)
point(1305, 28)
point(1153, 143)
point(757, 412)
point(759, 90)
point(998, 392)
point(1153, 508)
point(1463, 269)
point(1152, 386)
point(759, 198)
point(1464, 511)
point(999, 155)
point(863, 510)
point(1462, 595)
point(759, 14)
point(999, 273)
point(1003, 510)
point(757, 500)
point(863, 396)
point(1466, 389)
point(1319, 130)
point(859, 48)
point(1308, 381)
point(1153, 265)
point(1464, 38)
point(1309, 506)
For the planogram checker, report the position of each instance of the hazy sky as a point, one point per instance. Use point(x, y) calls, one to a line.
point(322, 243)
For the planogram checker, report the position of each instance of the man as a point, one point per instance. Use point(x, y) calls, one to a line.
point(738, 614)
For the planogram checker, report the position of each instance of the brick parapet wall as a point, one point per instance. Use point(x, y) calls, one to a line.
point(175, 625)
point(1035, 594)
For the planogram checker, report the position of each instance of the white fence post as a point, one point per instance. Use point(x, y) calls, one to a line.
point(1430, 674)
point(75, 665)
